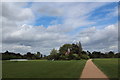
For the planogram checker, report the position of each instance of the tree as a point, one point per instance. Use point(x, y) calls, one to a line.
point(38, 55)
point(117, 55)
point(71, 51)
point(75, 49)
point(29, 55)
point(62, 57)
point(84, 56)
point(53, 51)
point(64, 48)
point(89, 54)
point(11, 55)
point(96, 54)
point(76, 57)
point(53, 55)
point(41, 56)
point(84, 52)
point(80, 46)
point(111, 54)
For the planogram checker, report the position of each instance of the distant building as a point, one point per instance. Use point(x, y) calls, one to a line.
point(68, 51)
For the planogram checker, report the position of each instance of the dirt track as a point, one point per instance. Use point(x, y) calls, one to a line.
point(91, 71)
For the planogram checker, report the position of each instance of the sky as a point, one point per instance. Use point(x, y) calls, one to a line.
point(42, 26)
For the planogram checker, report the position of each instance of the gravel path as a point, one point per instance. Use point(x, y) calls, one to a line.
point(91, 71)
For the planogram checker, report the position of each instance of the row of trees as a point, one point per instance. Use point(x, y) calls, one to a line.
point(75, 52)
point(65, 52)
point(11, 55)
point(58, 56)
point(55, 55)
point(109, 54)
point(84, 55)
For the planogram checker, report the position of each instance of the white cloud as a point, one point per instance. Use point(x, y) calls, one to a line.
point(73, 15)
point(16, 14)
point(38, 38)
point(99, 39)
point(17, 48)
point(20, 36)
point(34, 38)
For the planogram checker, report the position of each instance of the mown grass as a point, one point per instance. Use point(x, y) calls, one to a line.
point(43, 69)
point(108, 66)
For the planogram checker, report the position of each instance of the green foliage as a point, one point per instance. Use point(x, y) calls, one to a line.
point(10, 55)
point(62, 57)
point(84, 52)
point(117, 55)
point(76, 57)
point(84, 56)
point(53, 51)
point(54, 55)
point(70, 57)
point(111, 54)
point(75, 49)
point(64, 48)
point(80, 47)
point(38, 55)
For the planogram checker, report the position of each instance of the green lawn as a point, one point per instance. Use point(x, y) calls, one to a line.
point(108, 66)
point(43, 69)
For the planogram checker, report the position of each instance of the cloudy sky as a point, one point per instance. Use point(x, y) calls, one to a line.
point(42, 26)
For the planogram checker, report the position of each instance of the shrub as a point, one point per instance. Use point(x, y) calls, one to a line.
point(76, 57)
point(84, 56)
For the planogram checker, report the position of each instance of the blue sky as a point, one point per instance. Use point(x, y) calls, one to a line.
point(103, 12)
point(99, 13)
point(47, 20)
point(99, 16)
point(40, 26)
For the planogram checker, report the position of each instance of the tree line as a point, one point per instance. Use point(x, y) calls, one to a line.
point(65, 52)
point(11, 55)
point(75, 52)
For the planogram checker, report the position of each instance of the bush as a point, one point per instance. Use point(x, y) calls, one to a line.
point(70, 57)
point(84, 56)
point(76, 57)
point(62, 57)
point(53, 56)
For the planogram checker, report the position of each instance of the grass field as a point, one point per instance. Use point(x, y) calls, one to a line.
point(43, 69)
point(108, 66)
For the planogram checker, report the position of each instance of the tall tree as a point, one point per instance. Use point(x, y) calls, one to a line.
point(111, 54)
point(38, 55)
point(75, 49)
point(53, 51)
point(63, 49)
point(80, 47)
